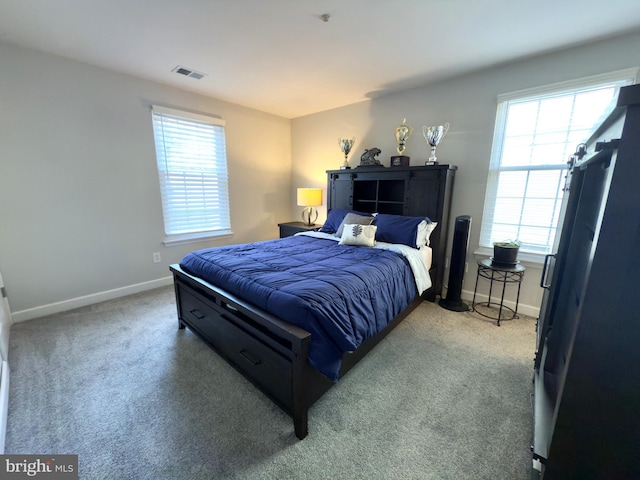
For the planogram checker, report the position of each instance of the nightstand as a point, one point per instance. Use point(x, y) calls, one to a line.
point(291, 228)
point(510, 274)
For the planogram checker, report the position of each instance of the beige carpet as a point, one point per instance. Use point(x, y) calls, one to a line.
point(445, 396)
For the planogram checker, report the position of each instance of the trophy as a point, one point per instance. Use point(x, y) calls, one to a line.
point(433, 136)
point(403, 132)
point(345, 146)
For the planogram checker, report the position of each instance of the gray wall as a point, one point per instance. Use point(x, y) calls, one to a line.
point(468, 103)
point(80, 211)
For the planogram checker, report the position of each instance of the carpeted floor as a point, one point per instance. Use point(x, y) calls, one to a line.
point(445, 396)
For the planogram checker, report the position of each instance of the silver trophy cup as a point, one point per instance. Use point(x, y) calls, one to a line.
point(345, 145)
point(433, 136)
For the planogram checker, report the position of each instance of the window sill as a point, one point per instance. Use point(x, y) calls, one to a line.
point(186, 238)
point(526, 258)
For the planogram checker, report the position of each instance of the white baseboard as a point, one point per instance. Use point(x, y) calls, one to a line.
point(72, 303)
point(4, 403)
point(36, 312)
point(529, 310)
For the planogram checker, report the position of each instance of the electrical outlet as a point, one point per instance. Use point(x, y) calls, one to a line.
point(466, 267)
point(156, 257)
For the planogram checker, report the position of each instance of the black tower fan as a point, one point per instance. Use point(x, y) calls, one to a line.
point(456, 270)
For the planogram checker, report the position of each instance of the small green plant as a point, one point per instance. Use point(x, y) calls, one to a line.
point(508, 244)
point(506, 253)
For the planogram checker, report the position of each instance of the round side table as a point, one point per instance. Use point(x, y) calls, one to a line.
point(501, 274)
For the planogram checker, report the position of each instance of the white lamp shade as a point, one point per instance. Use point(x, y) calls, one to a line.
point(309, 197)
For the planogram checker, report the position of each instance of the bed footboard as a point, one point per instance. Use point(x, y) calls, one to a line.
point(269, 352)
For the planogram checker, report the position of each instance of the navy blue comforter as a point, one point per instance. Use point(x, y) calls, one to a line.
point(340, 294)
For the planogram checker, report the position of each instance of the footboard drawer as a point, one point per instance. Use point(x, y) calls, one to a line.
point(232, 338)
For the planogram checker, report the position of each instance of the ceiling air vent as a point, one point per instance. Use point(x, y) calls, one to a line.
point(188, 72)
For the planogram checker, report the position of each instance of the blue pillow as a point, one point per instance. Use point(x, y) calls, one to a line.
point(398, 229)
point(335, 217)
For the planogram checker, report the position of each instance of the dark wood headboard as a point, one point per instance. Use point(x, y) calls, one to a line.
point(410, 191)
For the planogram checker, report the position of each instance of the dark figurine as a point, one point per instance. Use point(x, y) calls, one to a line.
point(368, 158)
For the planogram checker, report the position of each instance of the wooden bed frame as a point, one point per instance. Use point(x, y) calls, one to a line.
point(272, 353)
point(269, 352)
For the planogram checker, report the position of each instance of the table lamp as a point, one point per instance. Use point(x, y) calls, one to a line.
point(309, 198)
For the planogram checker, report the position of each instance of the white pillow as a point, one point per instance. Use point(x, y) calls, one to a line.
point(352, 218)
point(424, 232)
point(362, 235)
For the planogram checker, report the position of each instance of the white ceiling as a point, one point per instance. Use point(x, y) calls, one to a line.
point(278, 56)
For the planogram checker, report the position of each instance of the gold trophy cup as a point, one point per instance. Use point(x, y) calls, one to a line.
point(403, 132)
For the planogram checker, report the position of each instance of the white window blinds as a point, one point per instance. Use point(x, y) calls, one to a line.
point(192, 168)
point(536, 131)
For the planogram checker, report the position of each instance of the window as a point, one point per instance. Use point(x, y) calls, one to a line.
point(192, 168)
point(536, 132)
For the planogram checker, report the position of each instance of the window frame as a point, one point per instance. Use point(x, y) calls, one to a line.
point(196, 120)
point(619, 78)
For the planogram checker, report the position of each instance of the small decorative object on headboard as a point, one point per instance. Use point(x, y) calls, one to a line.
point(345, 146)
point(433, 136)
point(368, 158)
point(403, 132)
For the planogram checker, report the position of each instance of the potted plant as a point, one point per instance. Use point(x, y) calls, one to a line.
point(506, 253)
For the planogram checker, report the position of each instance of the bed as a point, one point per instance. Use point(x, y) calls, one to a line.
point(294, 315)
